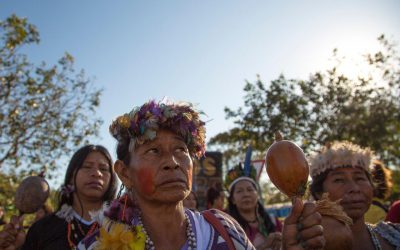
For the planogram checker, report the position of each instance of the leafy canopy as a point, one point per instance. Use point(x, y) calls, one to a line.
point(325, 107)
point(46, 111)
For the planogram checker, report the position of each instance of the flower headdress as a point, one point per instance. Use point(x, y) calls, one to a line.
point(340, 154)
point(142, 123)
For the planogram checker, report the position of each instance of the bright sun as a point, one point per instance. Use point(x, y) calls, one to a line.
point(352, 51)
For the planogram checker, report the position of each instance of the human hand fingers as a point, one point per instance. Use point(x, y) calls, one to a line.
point(314, 243)
point(17, 221)
point(290, 227)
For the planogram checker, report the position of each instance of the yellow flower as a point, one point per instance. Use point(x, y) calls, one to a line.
point(120, 237)
point(124, 121)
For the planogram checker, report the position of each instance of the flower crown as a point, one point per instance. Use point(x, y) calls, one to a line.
point(142, 123)
point(238, 173)
point(340, 154)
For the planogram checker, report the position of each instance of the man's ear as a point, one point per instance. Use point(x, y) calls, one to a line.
point(123, 173)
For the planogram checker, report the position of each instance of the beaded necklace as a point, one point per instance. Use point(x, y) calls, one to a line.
point(374, 238)
point(67, 213)
point(72, 231)
point(191, 237)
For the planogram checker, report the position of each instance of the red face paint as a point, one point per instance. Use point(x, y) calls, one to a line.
point(146, 180)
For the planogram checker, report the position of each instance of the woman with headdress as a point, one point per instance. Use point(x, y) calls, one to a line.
point(342, 170)
point(89, 182)
point(157, 143)
point(245, 206)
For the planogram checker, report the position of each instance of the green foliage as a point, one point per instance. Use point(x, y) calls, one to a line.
point(325, 107)
point(46, 111)
point(8, 186)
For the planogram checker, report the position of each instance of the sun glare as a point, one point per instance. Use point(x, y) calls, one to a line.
point(351, 52)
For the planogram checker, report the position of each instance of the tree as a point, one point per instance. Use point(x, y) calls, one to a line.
point(325, 107)
point(46, 111)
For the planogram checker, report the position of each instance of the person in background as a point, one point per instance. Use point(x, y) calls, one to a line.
point(342, 170)
point(216, 197)
point(89, 182)
point(245, 206)
point(382, 180)
point(394, 213)
point(191, 201)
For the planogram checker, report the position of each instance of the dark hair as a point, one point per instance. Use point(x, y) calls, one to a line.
point(382, 177)
point(123, 150)
point(234, 212)
point(76, 163)
point(212, 194)
point(195, 198)
point(317, 183)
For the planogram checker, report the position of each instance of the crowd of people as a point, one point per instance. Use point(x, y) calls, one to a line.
point(156, 207)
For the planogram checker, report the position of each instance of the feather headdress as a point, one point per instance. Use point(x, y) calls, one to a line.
point(340, 154)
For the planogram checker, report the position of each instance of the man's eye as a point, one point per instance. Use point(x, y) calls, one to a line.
point(104, 169)
point(152, 150)
point(338, 180)
point(180, 149)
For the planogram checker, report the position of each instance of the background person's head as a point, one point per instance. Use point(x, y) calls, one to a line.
point(156, 146)
point(191, 201)
point(215, 197)
point(89, 175)
point(243, 197)
point(342, 171)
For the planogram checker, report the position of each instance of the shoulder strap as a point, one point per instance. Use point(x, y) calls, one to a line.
point(214, 221)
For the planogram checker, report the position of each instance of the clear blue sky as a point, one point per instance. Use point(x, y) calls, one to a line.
point(198, 51)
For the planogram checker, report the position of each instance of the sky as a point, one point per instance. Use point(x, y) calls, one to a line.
point(199, 51)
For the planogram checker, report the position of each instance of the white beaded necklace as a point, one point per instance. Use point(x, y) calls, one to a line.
point(191, 237)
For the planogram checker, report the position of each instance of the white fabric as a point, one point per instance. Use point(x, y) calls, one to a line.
point(203, 230)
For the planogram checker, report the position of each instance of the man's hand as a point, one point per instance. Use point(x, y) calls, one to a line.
point(13, 236)
point(302, 228)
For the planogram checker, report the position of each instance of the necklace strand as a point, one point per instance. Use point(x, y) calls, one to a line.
point(191, 237)
point(71, 229)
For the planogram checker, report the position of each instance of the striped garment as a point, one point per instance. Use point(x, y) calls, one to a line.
point(209, 232)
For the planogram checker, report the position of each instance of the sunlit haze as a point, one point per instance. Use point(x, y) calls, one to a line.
point(200, 51)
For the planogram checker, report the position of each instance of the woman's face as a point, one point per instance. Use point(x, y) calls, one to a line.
point(190, 202)
point(219, 202)
point(161, 170)
point(93, 178)
point(353, 187)
point(245, 196)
